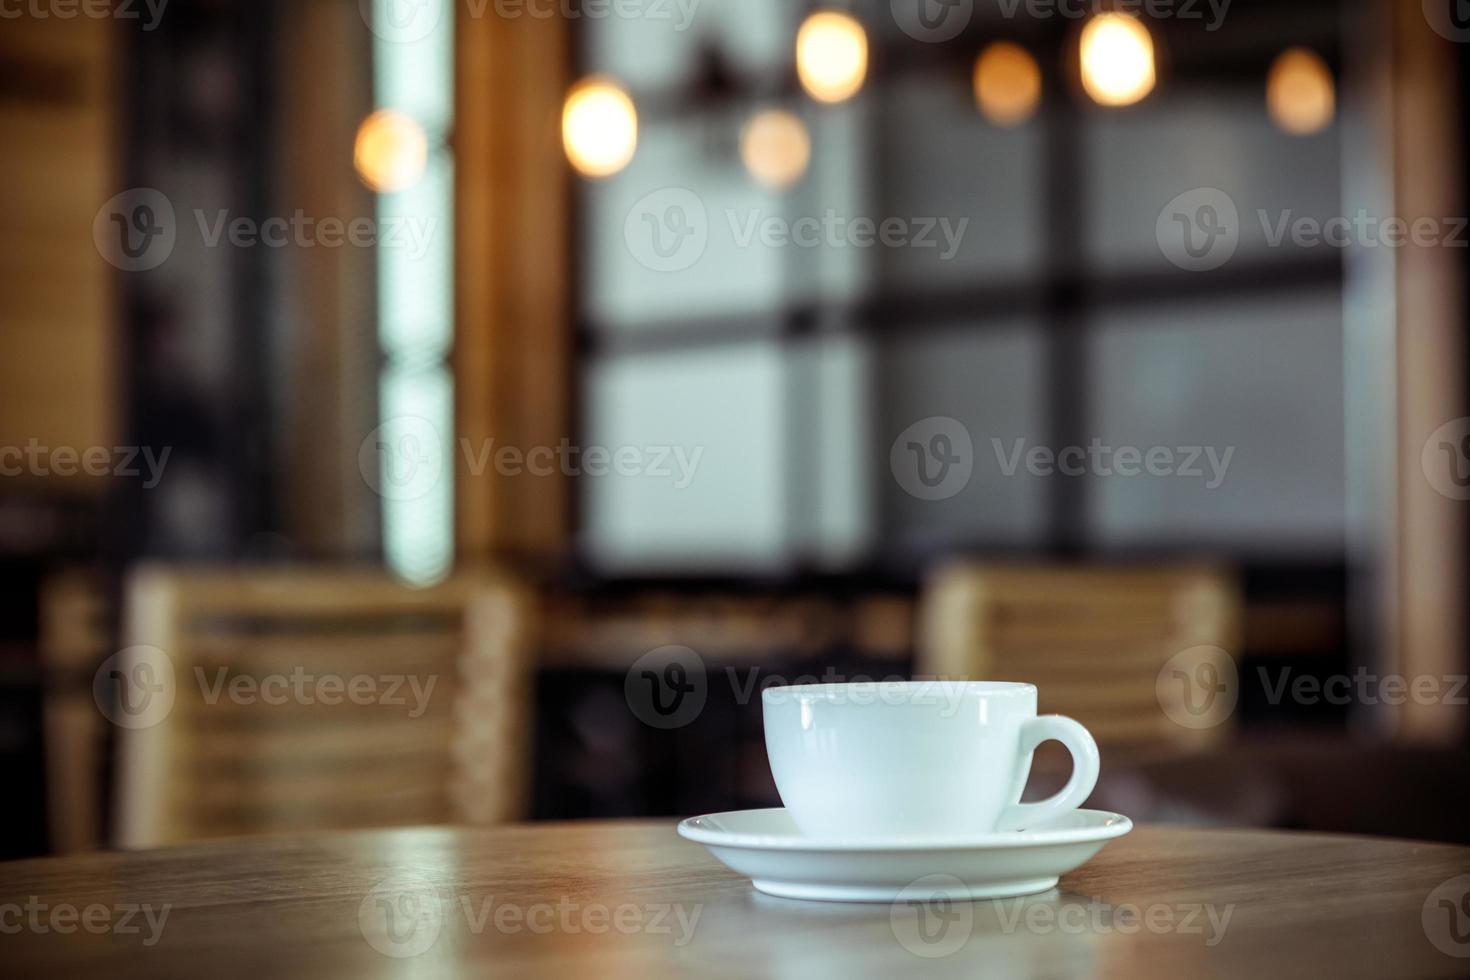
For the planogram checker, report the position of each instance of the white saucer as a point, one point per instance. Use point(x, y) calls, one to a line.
point(765, 846)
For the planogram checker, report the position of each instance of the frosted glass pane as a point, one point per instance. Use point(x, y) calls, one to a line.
point(831, 468)
point(839, 183)
point(416, 264)
point(686, 232)
point(952, 169)
point(413, 72)
point(991, 381)
point(665, 239)
point(709, 428)
point(657, 43)
point(1138, 162)
point(416, 475)
point(1259, 379)
point(413, 65)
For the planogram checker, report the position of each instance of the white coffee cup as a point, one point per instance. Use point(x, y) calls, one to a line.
point(905, 759)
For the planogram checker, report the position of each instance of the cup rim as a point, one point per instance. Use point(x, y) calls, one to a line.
point(835, 691)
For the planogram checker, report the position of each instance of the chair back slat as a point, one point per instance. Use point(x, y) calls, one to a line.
point(1092, 639)
point(316, 699)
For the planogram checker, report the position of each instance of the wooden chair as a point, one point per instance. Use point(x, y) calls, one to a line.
point(75, 630)
point(242, 751)
point(1094, 640)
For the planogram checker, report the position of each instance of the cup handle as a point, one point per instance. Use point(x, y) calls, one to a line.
point(1085, 767)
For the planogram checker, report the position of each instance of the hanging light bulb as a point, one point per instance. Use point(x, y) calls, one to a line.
point(390, 152)
point(599, 127)
point(1117, 59)
point(775, 148)
point(1007, 84)
point(1300, 94)
point(831, 56)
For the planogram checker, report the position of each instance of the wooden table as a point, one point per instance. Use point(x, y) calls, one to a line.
point(633, 899)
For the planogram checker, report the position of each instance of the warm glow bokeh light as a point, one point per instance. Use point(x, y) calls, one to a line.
point(831, 56)
point(599, 127)
point(391, 151)
point(1117, 59)
point(775, 148)
point(1007, 84)
point(1300, 93)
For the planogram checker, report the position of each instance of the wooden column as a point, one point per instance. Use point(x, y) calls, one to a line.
point(513, 283)
point(58, 329)
point(1430, 546)
point(331, 332)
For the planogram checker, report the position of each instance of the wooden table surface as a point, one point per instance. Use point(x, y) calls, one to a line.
point(601, 899)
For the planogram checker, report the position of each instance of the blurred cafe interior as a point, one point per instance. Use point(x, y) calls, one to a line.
point(434, 411)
